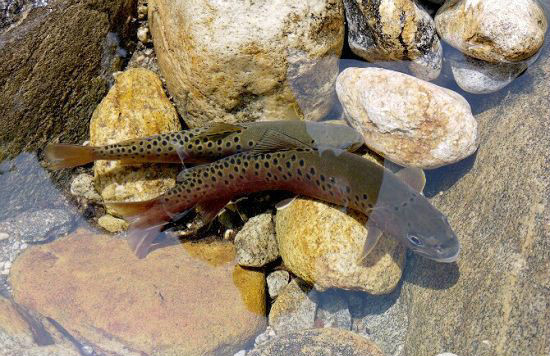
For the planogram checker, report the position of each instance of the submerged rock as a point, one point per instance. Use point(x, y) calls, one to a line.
point(189, 299)
point(136, 106)
point(333, 311)
point(407, 120)
point(112, 224)
point(255, 243)
point(55, 66)
point(83, 186)
point(494, 300)
point(480, 77)
point(395, 30)
point(260, 60)
point(318, 342)
point(276, 282)
point(294, 308)
point(37, 226)
point(493, 30)
point(322, 245)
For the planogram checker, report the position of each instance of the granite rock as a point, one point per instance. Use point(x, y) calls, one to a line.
point(100, 292)
point(407, 120)
point(294, 309)
point(318, 342)
point(493, 30)
point(136, 106)
point(37, 226)
point(255, 243)
point(112, 224)
point(494, 300)
point(322, 245)
point(260, 60)
point(276, 282)
point(396, 30)
point(333, 311)
point(47, 91)
point(83, 186)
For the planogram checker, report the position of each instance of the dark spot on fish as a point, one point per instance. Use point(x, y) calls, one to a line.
point(164, 143)
point(266, 164)
point(205, 174)
point(288, 164)
point(236, 139)
point(228, 144)
point(220, 173)
point(293, 157)
point(155, 143)
point(348, 189)
point(250, 143)
point(269, 174)
point(238, 147)
point(275, 161)
point(308, 176)
point(257, 165)
point(219, 142)
point(317, 182)
point(322, 178)
point(245, 163)
point(299, 171)
point(231, 176)
point(226, 164)
point(302, 163)
point(209, 144)
point(236, 169)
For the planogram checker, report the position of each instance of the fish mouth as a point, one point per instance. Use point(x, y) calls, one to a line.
point(443, 258)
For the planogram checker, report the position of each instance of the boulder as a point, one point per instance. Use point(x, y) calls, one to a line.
point(234, 61)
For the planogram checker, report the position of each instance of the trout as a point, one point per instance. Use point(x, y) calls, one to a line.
point(207, 144)
point(332, 175)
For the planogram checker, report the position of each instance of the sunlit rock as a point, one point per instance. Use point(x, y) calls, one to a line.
point(136, 106)
point(493, 30)
point(322, 245)
point(255, 243)
point(294, 309)
point(236, 61)
point(407, 120)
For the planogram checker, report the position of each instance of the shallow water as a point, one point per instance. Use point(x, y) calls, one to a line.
point(144, 307)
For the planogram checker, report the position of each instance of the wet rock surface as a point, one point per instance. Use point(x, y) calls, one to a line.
point(333, 311)
point(136, 106)
point(276, 282)
point(294, 308)
point(322, 245)
point(43, 77)
point(407, 120)
point(259, 61)
point(493, 30)
point(318, 342)
point(99, 292)
point(494, 300)
point(37, 226)
point(255, 242)
point(382, 31)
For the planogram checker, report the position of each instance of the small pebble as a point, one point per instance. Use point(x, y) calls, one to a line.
point(87, 350)
point(143, 34)
point(4, 236)
point(267, 335)
point(240, 353)
point(276, 281)
point(142, 12)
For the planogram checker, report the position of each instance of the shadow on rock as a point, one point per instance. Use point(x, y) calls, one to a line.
point(441, 179)
point(431, 274)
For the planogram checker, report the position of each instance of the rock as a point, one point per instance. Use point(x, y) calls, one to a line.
point(322, 245)
point(494, 300)
point(255, 243)
point(276, 281)
point(381, 31)
point(47, 90)
point(143, 34)
point(407, 120)
point(12, 324)
point(112, 224)
point(383, 319)
point(99, 292)
point(37, 226)
point(293, 309)
point(317, 342)
point(493, 30)
point(264, 337)
point(83, 186)
point(261, 60)
point(332, 311)
point(136, 106)
point(480, 77)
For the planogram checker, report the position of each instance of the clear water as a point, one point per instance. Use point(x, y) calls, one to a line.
point(27, 190)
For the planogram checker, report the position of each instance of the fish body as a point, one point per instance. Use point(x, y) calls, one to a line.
point(208, 144)
point(331, 175)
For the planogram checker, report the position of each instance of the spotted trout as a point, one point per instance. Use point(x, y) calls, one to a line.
point(331, 175)
point(207, 144)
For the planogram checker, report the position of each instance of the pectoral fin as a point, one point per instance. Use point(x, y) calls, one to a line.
point(373, 236)
point(273, 140)
point(209, 209)
point(414, 177)
point(285, 203)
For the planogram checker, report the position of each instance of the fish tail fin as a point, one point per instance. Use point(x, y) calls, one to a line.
point(141, 239)
point(131, 209)
point(68, 156)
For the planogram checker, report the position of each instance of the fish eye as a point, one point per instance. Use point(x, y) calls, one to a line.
point(415, 240)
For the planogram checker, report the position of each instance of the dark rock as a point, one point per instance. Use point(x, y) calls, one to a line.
point(495, 299)
point(55, 66)
point(318, 342)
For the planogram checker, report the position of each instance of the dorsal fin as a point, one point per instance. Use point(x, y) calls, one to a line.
point(273, 140)
point(414, 177)
point(220, 130)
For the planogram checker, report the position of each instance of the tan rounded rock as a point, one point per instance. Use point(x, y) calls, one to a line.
point(136, 106)
point(235, 61)
point(189, 299)
point(112, 224)
point(12, 323)
point(322, 245)
point(493, 30)
point(407, 120)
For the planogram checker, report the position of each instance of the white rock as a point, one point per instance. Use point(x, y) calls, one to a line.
point(236, 61)
point(4, 236)
point(255, 243)
point(143, 34)
point(83, 186)
point(276, 281)
point(479, 77)
point(407, 120)
point(493, 30)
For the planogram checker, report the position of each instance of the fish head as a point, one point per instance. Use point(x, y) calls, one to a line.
point(422, 228)
point(335, 135)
